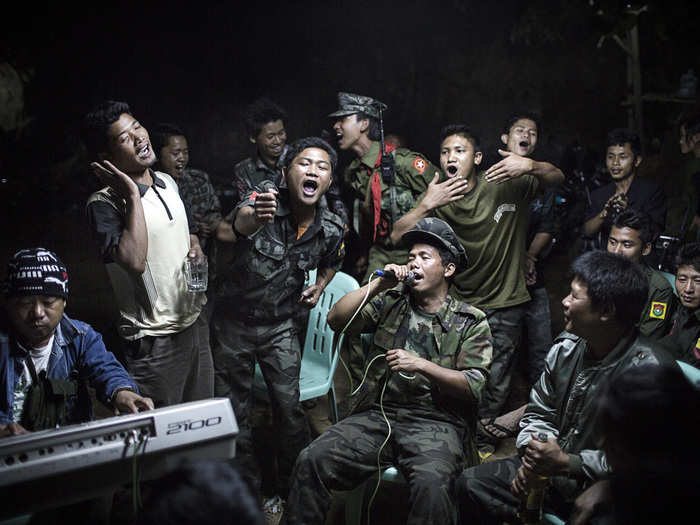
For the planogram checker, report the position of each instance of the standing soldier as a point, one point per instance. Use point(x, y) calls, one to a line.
point(381, 199)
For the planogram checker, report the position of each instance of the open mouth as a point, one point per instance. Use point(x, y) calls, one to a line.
point(144, 151)
point(310, 186)
point(452, 170)
point(524, 144)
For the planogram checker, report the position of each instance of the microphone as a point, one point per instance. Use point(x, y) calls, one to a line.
point(390, 273)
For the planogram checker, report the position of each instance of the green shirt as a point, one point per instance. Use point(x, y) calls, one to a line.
point(491, 222)
point(457, 337)
point(656, 317)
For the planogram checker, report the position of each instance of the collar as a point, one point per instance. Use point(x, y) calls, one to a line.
point(369, 159)
point(618, 350)
point(143, 188)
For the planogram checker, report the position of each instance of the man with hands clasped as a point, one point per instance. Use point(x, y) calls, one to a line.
point(600, 341)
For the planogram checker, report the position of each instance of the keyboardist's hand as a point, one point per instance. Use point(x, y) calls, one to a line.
point(130, 402)
point(12, 429)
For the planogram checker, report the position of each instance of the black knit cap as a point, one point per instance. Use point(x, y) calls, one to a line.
point(36, 271)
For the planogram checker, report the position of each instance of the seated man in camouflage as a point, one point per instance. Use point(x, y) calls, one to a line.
point(42, 348)
point(427, 364)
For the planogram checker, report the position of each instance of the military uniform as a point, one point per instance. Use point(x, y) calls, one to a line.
point(429, 430)
point(657, 316)
point(413, 173)
point(684, 340)
point(257, 303)
point(200, 198)
point(250, 173)
point(491, 221)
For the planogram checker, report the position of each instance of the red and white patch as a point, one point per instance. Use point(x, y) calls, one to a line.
point(419, 165)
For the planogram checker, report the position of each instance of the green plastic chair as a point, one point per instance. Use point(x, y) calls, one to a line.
point(691, 373)
point(318, 361)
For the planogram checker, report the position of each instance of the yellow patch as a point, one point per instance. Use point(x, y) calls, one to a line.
point(697, 344)
point(341, 248)
point(658, 310)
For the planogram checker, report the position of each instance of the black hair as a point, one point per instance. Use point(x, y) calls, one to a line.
point(261, 112)
point(374, 132)
point(161, 135)
point(518, 115)
point(201, 493)
point(97, 121)
point(689, 255)
point(640, 406)
point(463, 131)
point(622, 136)
point(300, 145)
point(613, 284)
point(635, 220)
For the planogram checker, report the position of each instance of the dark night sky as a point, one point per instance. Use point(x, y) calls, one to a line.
point(433, 62)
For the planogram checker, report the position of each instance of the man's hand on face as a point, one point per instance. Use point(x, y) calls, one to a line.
point(109, 175)
point(441, 193)
point(511, 167)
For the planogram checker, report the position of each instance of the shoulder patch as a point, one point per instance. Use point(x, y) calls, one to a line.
point(657, 310)
point(419, 164)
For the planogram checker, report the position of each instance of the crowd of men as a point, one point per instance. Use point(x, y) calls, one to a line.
point(432, 341)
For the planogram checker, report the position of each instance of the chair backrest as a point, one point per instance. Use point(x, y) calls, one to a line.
point(319, 336)
point(691, 373)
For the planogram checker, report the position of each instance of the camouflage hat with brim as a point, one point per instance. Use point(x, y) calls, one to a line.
point(431, 231)
point(349, 104)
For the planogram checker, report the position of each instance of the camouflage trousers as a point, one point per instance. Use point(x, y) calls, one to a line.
point(506, 329)
point(484, 496)
point(276, 349)
point(429, 454)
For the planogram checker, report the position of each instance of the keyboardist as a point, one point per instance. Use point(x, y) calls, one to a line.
point(46, 358)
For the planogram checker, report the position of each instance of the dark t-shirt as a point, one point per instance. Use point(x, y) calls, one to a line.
point(643, 195)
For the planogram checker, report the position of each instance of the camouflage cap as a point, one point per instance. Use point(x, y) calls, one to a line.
point(350, 104)
point(430, 230)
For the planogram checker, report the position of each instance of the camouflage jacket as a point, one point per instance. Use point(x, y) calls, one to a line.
point(263, 282)
point(461, 340)
point(199, 196)
point(413, 174)
point(563, 402)
point(250, 172)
